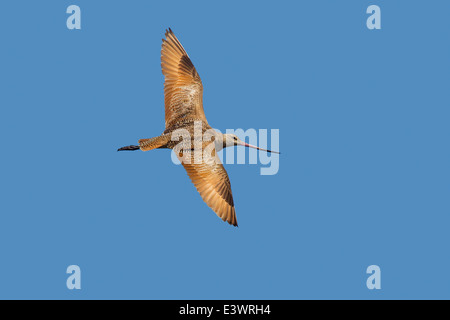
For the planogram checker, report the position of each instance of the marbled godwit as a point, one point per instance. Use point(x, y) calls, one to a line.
point(183, 92)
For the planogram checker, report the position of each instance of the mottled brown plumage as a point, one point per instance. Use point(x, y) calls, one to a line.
point(184, 116)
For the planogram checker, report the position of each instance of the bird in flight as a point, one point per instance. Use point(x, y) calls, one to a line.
point(185, 118)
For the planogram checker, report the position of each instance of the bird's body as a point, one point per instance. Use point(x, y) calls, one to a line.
point(187, 131)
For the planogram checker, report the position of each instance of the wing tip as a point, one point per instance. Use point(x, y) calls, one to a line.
point(168, 31)
point(231, 222)
point(231, 219)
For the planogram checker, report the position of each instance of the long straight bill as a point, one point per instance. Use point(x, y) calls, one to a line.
point(258, 148)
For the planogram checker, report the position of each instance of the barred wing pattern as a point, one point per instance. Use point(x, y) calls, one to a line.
point(183, 89)
point(212, 182)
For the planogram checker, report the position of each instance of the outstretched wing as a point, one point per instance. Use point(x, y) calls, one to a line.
point(212, 182)
point(183, 89)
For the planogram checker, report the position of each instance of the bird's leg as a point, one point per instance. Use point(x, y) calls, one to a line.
point(129, 148)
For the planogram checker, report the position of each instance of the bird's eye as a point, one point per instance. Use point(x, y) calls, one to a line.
point(235, 138)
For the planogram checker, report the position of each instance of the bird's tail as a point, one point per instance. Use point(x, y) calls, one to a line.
point(129, 148)
point(154, 143)
point(149, 144)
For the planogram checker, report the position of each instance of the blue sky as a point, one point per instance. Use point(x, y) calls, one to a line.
point(364, 170)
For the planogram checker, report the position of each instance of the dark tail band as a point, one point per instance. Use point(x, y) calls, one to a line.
point(129, 148)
